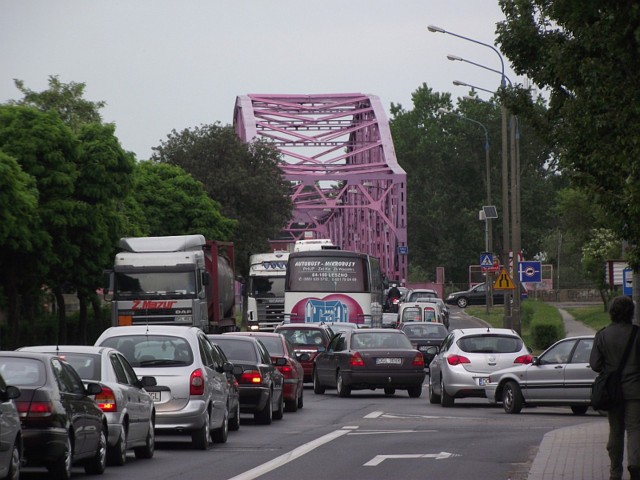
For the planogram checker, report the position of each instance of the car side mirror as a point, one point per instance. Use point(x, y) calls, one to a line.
point(237, 370)
point(10, 393)
point(148, 382)
point(303, 357)
point(93, 389)
point(227, 367)
point(535, 361)
point(280, 362)
point(321, 348)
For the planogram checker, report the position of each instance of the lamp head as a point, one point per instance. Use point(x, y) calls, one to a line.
point(454, 58)
point(458, 83)
point(433, 28)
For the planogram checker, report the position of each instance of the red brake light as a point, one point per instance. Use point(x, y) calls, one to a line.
point(251, 376)
point(356, 360)
point(106, 400)
point(418, 360)
point(286, 370)
point(196, 383)
point(523, 359)
point(454, 360)
point(34, 409)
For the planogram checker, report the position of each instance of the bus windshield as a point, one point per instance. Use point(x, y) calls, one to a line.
point(325, 273)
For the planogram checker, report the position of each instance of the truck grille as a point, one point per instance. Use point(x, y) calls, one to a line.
point(270, 315)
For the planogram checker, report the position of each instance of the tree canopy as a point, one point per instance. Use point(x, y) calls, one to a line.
point(586, 55)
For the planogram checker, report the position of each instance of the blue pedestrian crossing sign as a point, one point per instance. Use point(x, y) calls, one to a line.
point(530, 272)
point(486, 260)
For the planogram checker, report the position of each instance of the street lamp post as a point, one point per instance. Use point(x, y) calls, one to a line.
point(488, 236)
point(511, 317)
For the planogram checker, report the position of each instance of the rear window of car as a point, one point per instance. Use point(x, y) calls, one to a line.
point(86, 364)
point(22, 372)
point(303, 336)
point(411, 314)
point(273, 345)
point(379, 340)
point(237, 349)
point(490, 344)
point(152, 350)
point(425, 330)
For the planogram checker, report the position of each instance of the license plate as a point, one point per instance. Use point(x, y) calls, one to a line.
point(482, 381)
point(388, 361)
point(155, 396)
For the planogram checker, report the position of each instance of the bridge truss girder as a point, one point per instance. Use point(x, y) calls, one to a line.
point(346, 183)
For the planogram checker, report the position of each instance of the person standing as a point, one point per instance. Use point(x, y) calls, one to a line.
point(608, 348)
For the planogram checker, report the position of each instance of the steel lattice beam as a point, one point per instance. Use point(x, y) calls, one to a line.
point(346, 183)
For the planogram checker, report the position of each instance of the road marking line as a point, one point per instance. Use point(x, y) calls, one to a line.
point(373, 415)
point(292, 455)
point(378, 459)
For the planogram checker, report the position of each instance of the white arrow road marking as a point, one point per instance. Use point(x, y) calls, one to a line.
point(378, 459)
point(292, 455)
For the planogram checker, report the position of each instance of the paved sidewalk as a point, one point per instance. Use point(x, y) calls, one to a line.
point(578, 452)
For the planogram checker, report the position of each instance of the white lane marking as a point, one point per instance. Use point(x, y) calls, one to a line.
point(378, 459)
point(377, 432)
point(292, 455)
point(373, 415)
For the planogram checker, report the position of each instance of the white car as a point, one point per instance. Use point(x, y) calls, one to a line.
point(560, 376)
point(129, 409)
point(192, 391)
point(467, 357)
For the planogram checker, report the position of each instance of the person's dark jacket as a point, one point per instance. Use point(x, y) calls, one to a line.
point(607, 352)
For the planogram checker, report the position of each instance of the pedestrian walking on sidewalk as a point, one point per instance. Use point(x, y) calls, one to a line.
point(608, 348)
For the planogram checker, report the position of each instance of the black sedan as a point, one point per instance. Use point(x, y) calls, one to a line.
point(369, 359)
point(260, 383)
point(477, 295)
point(61, 423)
point(424, 335)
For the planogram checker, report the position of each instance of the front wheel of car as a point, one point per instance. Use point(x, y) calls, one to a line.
point(61, 467)
point(117, 455)
point(462, 302)
point(512, 398)
point(200, 438)
point(265, 416)
point(234, 422)
point(317, 386)
point(342, 389)
point(279, 413)
point(98, 464)
point(579, 409)
point(220, 435)
point(434, 398)
point(149, 447)
point(14, 466)
point(446, 400)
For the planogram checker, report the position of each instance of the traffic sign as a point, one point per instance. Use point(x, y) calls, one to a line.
point(503, 282)
point(530, 272)
point(403, 250)
point(486, 260)
point(627, 282)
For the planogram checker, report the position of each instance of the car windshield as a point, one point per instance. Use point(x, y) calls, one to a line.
point(22, 372)
point(273, 345)
point(366, 340)
point(488, 343)
point(152, 350)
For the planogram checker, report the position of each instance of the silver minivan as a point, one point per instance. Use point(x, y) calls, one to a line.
point(192, 392)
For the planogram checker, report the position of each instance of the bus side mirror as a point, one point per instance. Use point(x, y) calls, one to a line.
point(205, 278)
point(107, 285)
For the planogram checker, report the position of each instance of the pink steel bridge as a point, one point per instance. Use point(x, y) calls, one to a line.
point(346, 183)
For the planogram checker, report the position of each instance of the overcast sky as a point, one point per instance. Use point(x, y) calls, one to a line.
point(174, 64)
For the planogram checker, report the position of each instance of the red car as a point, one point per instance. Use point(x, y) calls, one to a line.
point(286, 360)
point(306, 338)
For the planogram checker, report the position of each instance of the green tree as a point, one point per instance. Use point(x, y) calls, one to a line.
point(585, 54)
point(174, 203)
point(602, 245)
point(245, 180)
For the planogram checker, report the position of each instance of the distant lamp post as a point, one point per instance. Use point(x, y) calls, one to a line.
point(488, 211)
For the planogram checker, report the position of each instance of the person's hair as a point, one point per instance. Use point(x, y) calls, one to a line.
point(621, 310)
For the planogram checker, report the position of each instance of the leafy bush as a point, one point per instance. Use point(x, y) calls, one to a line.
point(546, 325)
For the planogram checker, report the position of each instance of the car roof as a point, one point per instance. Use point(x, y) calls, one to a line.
point(479, 330)
point(304, 325)
point(175, 330)
point(254, 334)
point(66, 348)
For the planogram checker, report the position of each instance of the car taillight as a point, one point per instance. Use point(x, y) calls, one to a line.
point(286, 370)
point(251, 376)
point(454, 360)
point(32, 410)
point(418, 361)
point(356, 360)
point(196, 383)
point(523, 359)
point(106, 400)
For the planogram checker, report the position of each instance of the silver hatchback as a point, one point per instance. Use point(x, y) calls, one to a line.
point(192, 391)
point(465, 359)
